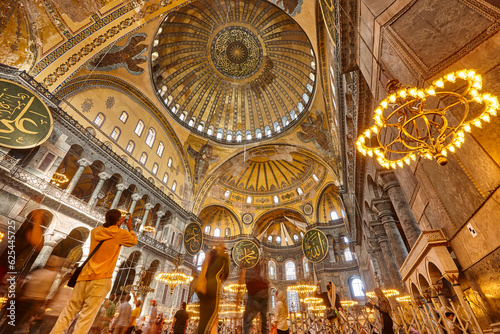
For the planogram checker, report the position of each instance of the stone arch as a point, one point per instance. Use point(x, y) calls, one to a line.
point(126, 273)
point(70, 248)
point(108, 191)
point(150, 272)
point(88, 180)
point(69, 164)
point(222, 214)
point(29, 240)
point(329, 201)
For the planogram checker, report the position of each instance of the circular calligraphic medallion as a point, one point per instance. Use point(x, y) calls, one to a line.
point(246, 254)
point(247, 218)
point(315, 245)
point(25, 120)
point(236, 52)
point(308, 209)
point(193, 238)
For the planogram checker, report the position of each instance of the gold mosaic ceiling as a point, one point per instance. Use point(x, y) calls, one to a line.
point(234, 72)
point(267, 170)
point(280, 227)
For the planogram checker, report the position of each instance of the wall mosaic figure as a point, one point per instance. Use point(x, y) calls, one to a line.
point(313, 131)
point(128, 56)
point(202, 160)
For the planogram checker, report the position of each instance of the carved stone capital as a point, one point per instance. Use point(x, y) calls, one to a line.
point(121, 186)
point(160, 214)
point(84, 162)
point(136, 197)
point(104, 176)
point(148, 206)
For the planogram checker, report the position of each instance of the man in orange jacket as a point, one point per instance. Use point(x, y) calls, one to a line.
point(94, 281)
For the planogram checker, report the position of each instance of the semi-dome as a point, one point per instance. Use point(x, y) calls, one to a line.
point(233, 72)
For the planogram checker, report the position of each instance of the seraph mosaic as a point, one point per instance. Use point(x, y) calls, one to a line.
point(128, 56)
point(313, 131)
point(291, 7)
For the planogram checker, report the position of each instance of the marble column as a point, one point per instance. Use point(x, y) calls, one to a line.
point(159, 215)
point(148, 207)
point(82, 164)
point(386, 217)
point(121, 187)
point(401, 206)
point(390, 261)
point(376, 252)
point(50, 242)
point(102, 178)
point(135, 198)
point(336, 250)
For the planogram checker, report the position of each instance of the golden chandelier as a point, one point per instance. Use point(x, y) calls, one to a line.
point(427, 122)
point(388, 293)
point(174, 278)
point(302, 289)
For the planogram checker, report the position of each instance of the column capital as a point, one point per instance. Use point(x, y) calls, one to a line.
point(121, 186)
point(136, 197)
point(104, 176)
point(160, 214)
point(148, 206)
point(382, 205)
point(84, 162)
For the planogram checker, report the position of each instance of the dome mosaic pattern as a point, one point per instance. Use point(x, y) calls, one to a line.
point(233, 72)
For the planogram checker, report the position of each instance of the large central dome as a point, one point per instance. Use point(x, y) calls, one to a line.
point(233, 72)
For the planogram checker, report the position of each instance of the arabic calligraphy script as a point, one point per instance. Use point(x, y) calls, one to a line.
point(25, 121)
point(315, 245)
point(193, 238)
point(246, 254)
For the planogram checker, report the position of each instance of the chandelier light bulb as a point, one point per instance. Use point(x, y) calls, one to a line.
point(412, 121)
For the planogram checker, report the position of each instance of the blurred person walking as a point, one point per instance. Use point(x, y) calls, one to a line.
point(124, 313)
point(281, 312)
point(214, 271)
point(94, 281)
point(258, 295)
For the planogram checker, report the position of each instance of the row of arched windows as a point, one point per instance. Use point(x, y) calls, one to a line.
point(217, 231)
point(150, 140)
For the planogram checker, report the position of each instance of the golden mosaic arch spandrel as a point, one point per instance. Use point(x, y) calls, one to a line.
point(193, 238)
point(315, 245)
point(25, 120)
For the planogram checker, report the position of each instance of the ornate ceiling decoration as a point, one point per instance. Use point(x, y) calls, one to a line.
point(234, 72)
point(329, 202)
point(280, 227)
point(220, 217)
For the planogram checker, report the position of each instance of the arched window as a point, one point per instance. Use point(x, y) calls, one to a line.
point(207, 229)
point(139, 128)
point(169, 163)
point(285, 121)
point(174, 186)
point(305, 266)
point(200, 127)
point(191, 122)
point(315, 178)
point(300, 107)
point(249, 135)
point(227, 194)
point(295, 237)
point(201, 258)
point(278, 240)
point(99, 119)
point(293, 115)
point(154, 170)
point(305, 97)
point(276, 200)
point(182, 116)
point(270, 239)
point(272, 269)
point(299, 191)
point(124, 116)
point(227, 232)
point(165, 178)
point(277, 127)
point(258, 134)
point(210, 130)
point(334, 215)
point(150, 139)
point(219, 134)
point(273, 297)
point(309, 88)
point(160, 149)
point(217, 232)
point(115, 134)
point(347, 254)
point(249, 199)
point(239, 137)
point(290, 271)
point(130, 146)
point(357, 288)
point(267, 130)
point(229, 136)
point(143, 158)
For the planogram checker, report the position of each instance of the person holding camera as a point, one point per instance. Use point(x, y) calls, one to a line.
point(94, 281)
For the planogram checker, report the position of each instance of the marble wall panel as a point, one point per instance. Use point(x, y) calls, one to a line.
point(457, 193)
point(419, 204)
point(398, 69)
point(435, 29)
point(377, 7)
point(485, 223)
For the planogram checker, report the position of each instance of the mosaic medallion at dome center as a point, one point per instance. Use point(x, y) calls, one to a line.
point(236, 52)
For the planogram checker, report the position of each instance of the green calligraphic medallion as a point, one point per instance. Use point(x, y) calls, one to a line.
point(193, 238)
point(25, 120)
point(315, 245)
point(246, 254)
